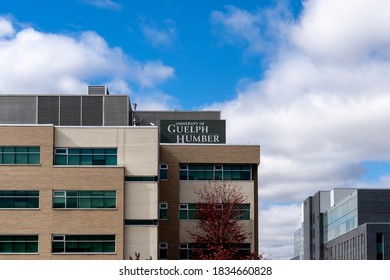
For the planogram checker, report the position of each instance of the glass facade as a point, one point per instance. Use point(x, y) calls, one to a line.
point(19, 155)
point(85, 156)
point(18, 244)
point(298, 244)
point(341, 218)
point(84, 199)
point(84, 244)
point(19, 199)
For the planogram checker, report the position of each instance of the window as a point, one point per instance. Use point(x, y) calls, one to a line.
point(189, 211)
point(83, 244)
point(185, 251)
point(163, 250)
point(379, 246)
point(215, 172)
point(244, 210)
point(18, 244)
point(19, 155)
point(84, 199)
point(85, 156)
point(141, 178)
point(163, 215)
point(163, 171)
point(244, 249)
point(19, 199)
point(139, 222)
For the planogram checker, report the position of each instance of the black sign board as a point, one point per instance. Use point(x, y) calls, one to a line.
point(193, 132)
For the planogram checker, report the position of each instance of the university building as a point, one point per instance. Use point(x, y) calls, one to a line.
point(85, 176)
point(345, 224)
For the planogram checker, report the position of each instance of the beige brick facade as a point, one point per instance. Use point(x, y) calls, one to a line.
point(46, 177)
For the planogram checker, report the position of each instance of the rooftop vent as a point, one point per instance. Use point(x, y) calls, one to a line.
point(100, 90)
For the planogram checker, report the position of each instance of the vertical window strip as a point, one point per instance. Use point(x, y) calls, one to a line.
point(163, 207)
point(163, 171)
point(163, 250)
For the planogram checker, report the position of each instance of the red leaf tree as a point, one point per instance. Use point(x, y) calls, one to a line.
point(219, 231)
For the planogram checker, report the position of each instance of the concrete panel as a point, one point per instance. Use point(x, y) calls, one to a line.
point(190, 226)
point(141, 200)
point(141, 239)
point(188, 189)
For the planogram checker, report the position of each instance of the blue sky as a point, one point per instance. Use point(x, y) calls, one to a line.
point(306, 80)
point(185, 35)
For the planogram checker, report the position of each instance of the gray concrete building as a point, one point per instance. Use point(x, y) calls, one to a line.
point(345, 224)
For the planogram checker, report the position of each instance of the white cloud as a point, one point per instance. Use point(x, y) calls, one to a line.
point(252, 30)
point(152, 73)
point(160, 37)
point(321, 110)
point(239, 26)
point(6, 28)
point(277, 224)
point(104, 4)
point(344, 30)
point(38, 62)
point(155, 100)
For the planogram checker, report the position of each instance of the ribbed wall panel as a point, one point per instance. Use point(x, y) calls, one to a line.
point(48, 110)
point(116, 110)
point(92, 110)
point(18, 110)
point(70, 110)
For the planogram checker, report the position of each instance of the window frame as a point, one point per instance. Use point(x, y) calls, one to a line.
point(85, 156)
point(187, 208)
point(162, 246)
point(16, 152)
point(13, 240)
point(163, 170)
point(161, 207)
point(215, 172)
point(86, 238)
point(79, 196)
point(16, 197)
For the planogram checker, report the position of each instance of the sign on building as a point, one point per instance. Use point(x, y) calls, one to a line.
point(193, 132)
